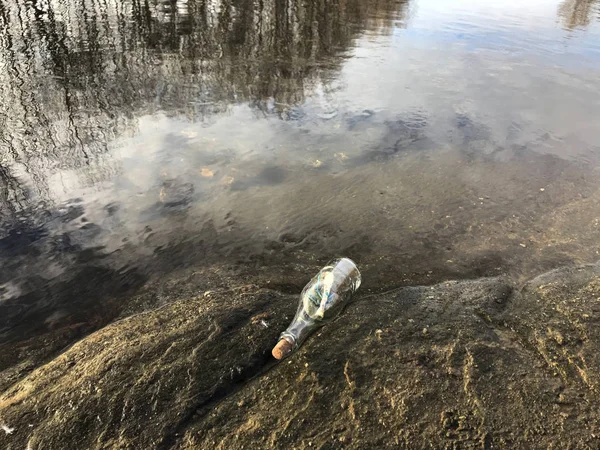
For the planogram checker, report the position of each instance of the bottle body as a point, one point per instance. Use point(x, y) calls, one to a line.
point(322, 299)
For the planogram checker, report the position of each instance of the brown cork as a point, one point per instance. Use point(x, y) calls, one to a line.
point(282, 349)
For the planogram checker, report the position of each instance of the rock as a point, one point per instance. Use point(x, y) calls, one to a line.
point(138, 382)
point(497, 368)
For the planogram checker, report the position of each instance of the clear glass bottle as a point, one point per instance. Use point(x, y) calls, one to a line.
point(321, 301)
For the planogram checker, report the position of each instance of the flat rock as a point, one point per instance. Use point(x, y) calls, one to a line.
point(470, 364)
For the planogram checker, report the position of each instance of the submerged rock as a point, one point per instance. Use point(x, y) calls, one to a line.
point(471, 364)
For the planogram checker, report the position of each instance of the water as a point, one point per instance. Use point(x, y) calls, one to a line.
point(426, 140)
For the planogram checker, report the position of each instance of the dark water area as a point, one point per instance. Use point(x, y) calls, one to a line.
point(426, 140)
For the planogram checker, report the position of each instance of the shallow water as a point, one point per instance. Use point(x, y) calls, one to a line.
point(427, 140)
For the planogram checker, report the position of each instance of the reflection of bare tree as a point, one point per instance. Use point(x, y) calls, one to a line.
point(76, 74)
point(13, 195)
point(577, 13)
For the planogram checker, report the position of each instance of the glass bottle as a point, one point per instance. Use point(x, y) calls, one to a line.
point(322, 299)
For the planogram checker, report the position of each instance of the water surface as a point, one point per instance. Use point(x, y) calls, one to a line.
point(427, 140)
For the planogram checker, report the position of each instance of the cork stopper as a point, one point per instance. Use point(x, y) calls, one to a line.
point(282, 349)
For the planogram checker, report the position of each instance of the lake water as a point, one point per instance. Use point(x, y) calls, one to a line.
point(427, 140)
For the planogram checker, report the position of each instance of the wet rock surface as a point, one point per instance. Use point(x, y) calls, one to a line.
point(469, 364)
